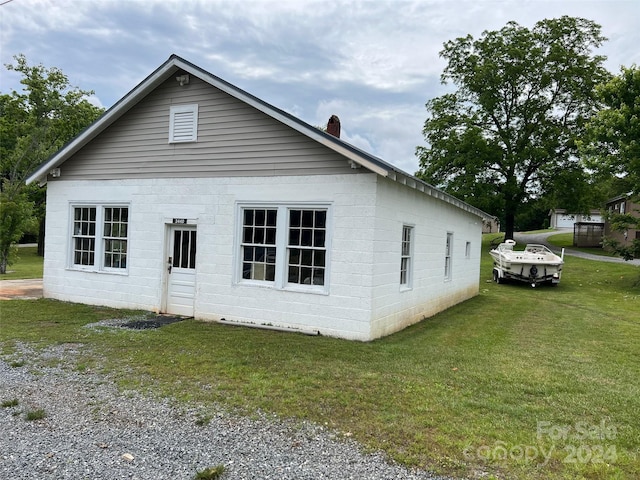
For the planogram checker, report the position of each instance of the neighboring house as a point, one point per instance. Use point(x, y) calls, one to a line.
point(560, 218)
point(622, 205)
point(192, 197)
point(491, 225)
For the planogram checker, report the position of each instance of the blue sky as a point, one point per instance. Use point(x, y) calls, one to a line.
point(373, 63)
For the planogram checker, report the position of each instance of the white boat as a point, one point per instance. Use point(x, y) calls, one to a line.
point(535, 264)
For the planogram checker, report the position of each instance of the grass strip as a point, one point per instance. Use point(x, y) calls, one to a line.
point(517, 382)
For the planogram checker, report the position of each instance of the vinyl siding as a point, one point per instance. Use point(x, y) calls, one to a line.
point(234, 139)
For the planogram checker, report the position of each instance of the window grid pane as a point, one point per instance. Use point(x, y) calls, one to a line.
point(184, 249)
point(115, 235)
point(259, 244)
point(405, 257)
point(447, 256)
point(306, 246)
point(84, 231)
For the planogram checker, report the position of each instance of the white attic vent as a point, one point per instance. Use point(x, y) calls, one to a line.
point(183, 123)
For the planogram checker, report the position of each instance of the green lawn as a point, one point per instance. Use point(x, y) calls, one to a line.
point(28, 265)
point(517, 382)
point(543, 230)
point(565, 240)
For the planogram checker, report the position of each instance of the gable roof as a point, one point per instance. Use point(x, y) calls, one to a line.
point(624, 196)
point(176, 64)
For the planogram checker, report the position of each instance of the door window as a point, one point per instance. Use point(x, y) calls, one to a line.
point(184, 249)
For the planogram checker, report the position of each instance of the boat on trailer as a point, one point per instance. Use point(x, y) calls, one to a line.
point(535, 264)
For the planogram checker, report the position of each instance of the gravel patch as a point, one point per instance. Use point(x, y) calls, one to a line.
point(142, 322)
point(91, 430)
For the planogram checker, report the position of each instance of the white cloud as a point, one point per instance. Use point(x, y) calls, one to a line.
point(373, 63)
point(391, 132)
point(95, 101)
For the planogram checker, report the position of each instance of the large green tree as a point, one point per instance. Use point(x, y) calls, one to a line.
point(611, 147)
point(507, 135)
point(34, 124)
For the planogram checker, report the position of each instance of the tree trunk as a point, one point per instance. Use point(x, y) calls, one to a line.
point(509, 221)
point(41, 237)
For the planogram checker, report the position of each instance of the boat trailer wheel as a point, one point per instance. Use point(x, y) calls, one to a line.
point(496, 276)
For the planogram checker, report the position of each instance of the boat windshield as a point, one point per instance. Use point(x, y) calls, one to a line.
point(532, 248)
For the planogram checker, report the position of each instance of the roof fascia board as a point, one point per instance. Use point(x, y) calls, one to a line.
point(281, 116)
point(106, 119)
point(422, 186)
point(624, 196)
point(378, 166)
point(161, 74)
point(174, 63)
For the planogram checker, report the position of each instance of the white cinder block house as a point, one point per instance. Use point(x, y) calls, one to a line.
point(192, 197)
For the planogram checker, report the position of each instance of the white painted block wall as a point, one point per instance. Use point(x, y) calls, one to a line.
point(364, 300)
point(344, 312)
point(395, 307)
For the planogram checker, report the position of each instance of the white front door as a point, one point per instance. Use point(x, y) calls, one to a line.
point(181, 270)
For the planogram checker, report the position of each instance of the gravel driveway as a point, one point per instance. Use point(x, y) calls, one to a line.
point(93, 431)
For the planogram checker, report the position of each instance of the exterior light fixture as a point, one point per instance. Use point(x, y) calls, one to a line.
point(183, 79)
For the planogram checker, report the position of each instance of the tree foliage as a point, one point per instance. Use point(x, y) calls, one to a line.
point(507, 135)
point(611, 148)
point(611, 145)
point(34, 124)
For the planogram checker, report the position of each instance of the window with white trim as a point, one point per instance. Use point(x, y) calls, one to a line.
point(447, 256)
point(116, 221)
point(183, 123)
point(285, 247)
point(84, 235)
point(306, 249)
point(259, 244)
point(405, 256)
point(99, 237)
point(467, 250)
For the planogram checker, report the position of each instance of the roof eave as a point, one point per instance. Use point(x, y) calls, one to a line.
point(424, 187)
point(100, 124)
point(175, 63)
point(337, 145)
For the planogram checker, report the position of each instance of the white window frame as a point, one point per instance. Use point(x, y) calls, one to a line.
point(259, 238)
point(100, 239)
point(84, 229)
point(406, 257)
point(116, 237)
point(280, 282)
point(183, 123)
point(448, 257)
point(467, 250)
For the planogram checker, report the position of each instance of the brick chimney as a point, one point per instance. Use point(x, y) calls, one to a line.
point(333, 126)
